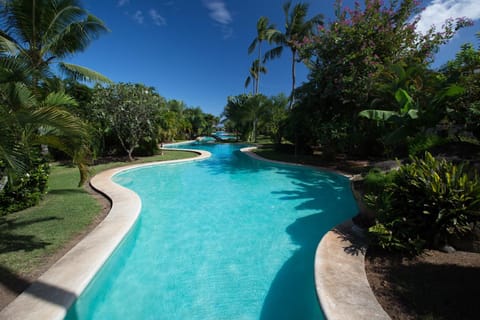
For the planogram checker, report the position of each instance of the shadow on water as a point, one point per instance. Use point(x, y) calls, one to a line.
point(292, 293)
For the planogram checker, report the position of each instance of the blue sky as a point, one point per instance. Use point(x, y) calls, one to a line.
point(196, 50)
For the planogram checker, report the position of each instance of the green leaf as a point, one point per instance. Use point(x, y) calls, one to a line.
point(377, 115)
point(83, 73)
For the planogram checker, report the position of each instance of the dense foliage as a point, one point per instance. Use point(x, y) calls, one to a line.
point(130, 111)
point(34, 116)
point(27, 190)
point(427, 202)
point(247, 115)
point(354, 65)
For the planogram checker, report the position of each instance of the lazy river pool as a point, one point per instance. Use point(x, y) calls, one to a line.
point(229, 237)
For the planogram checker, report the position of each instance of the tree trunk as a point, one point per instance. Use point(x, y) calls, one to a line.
point(130, 151)
point(294, 54)
point(259, 64)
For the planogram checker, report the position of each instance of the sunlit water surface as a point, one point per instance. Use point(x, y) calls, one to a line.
point(229, 237)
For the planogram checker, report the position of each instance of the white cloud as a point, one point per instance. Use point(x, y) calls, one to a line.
point(121, 3)
point(138, 17)
point(157, 18)
point(438, 11)
point(218, 11)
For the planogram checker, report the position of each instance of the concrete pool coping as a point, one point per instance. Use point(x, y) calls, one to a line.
point(52, 294)
point(341, 282)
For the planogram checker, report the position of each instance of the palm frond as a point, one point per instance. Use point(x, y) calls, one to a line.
point(14, 69)
point(75, 37)
point(7, 46)
point(247, 81)
point(252, 46)
point(82, 73)
point(18, 96)
point(59, 99)
point(273, 53)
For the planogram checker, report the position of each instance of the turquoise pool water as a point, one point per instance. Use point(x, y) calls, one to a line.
point(229, 237)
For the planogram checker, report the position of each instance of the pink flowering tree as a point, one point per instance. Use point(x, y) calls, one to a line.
point(349, 57)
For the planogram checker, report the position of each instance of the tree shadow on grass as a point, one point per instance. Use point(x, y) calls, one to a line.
point(66, 191)
point(10, 241)
point(44, 291)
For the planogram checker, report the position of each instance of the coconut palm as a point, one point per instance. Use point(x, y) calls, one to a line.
point(255, 71)
point(297, 28)
point(43, 32)
point(263, 27)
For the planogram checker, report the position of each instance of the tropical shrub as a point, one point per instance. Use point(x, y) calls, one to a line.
point(25, 191)
point(428, 201)
point(376, 180)
point(423, 142)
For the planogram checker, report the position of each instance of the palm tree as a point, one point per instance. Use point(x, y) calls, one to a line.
point(297, 27)
point(26, 123)
point(34, 34)
point(43, 32)
point(245, 112)
point(255, 71)
point(263, 28)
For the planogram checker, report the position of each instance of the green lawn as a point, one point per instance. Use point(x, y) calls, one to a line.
point(28, 237)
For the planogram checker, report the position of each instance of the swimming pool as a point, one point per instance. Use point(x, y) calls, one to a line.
point(229, 237)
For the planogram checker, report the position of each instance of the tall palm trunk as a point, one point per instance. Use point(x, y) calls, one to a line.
point(257, 83)
point(292, 96)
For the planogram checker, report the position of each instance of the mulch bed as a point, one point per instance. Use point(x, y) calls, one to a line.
point(435, 285)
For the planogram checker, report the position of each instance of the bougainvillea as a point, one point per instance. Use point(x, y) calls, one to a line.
point(348, 55)
point(356, 47)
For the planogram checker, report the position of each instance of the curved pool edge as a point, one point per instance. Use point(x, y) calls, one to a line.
point(340, 278)
point(341, 282)
point(52, 294)
point(249, 151)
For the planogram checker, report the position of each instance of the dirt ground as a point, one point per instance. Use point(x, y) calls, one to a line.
point(435, 285)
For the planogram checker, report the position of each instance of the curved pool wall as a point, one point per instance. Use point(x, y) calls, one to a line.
point(230, 237)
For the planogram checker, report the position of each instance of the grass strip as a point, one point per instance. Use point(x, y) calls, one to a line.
point(29, 237)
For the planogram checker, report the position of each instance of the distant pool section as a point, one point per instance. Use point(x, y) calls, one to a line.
point(225, 136)
point(229, 237)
